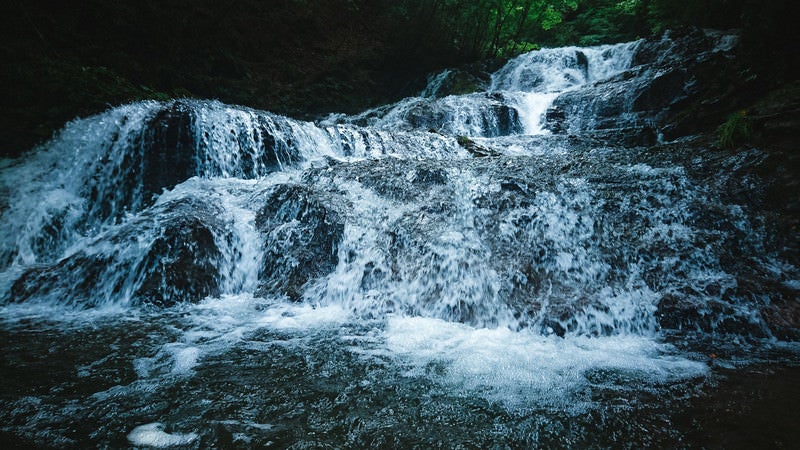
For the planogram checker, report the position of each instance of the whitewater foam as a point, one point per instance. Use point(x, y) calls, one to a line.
point(520, 369)
point(153, 435)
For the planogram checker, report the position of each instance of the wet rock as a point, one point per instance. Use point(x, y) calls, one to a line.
point(159, 157)
point(508, 120)
point(71, 281)
point(676, 85)
point(678, 45)
point(583, 63)
point(169, 149)
point(775, 118)
point(638, 136)
point(182, 264)
point(474, 148)
point(490, 113)
point(399, 180)
point(783, 319)
point(556, 119)
point(168, 256)
point(302, 229)
point(662, 91)
point(455, 82)
point(463, 80)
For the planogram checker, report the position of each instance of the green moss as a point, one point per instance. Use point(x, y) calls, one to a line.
point(465, 85)
point(734, 131)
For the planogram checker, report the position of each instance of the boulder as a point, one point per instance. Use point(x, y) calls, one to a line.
point(169, 256)
point(302, 229)
point(182, 263)
point(677, 86)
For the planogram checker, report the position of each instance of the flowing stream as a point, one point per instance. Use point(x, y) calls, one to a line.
point(447, 270)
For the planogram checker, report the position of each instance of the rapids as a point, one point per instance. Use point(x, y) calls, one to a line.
point(485, 270)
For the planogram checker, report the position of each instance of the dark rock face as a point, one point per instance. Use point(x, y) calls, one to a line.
point(169, 149)
point(302, 230)
point(180, 265)
point(463, 80)
point(676, 87)
point(774, 120)
point(496, 117)
point(158, 158)
point(583, 63)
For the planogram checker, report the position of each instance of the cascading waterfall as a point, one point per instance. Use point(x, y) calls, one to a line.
point(537, 78)
point(456, 239)
point(561, 69)
point(419, 246)
point(516, 99)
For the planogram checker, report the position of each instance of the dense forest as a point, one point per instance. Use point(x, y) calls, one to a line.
point(306, 57)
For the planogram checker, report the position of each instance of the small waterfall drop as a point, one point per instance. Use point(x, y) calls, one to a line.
point(514, 102)
point(561, 69)
point(486, 266)
point(537, 78)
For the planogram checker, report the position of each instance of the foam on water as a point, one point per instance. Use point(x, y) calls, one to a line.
point(153, 435)
point(185, 359)
point(172, 359)
point(235, 314)
point(516, 369)
point(522, 369)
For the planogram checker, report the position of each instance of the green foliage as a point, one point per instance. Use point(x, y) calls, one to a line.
point(476, 29)
point(629, 6)
point(734, 131)
point(463, 140)
point(596, 22)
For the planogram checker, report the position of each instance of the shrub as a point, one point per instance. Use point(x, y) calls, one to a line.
point(734, 130)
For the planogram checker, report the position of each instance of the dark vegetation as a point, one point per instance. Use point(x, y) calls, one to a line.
point(307, 57)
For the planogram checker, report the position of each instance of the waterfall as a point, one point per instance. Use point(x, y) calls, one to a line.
point(561, 69)
point(171, 202)
point(515, 102)
point(493, 244)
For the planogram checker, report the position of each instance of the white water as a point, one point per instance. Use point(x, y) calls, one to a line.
point(153, 435)
point(527, 85)
point(532, 107)
point(513, 278)
point(560, 69)
point(521, 369)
